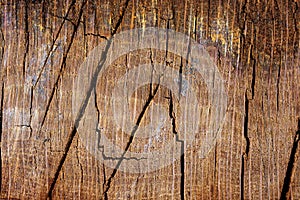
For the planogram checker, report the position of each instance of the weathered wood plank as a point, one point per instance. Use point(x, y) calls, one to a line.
point(255, 46)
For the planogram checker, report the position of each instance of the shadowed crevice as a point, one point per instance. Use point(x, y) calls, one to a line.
point(1, 125)
point(242, 177)
point(285, 192)
point(87, 95)
point(253, 73)
point(246, 119)
point(52, 48)
point(63, 65)
point(278, 88)
point(247, 149)
point(131, 138)
point(26, 37)
point(115, 29)
point(182, 161)
point(73, 133)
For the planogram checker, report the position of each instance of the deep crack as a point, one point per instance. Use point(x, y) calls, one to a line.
point(1, 123)
point(247, 149)
point(85, 103)
point(26, 38)
point(285, 193)
point(182, 162)
point(135, 128)
point(63, 65)
point(73, 133)
point(52, 48)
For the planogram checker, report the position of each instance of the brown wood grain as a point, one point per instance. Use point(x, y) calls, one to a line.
point(254, 44)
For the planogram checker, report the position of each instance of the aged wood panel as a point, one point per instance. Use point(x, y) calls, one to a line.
point(255, 46)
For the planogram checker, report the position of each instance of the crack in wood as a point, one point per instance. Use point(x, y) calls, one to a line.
point(182, 162)
point(104, 182)
point(285, 192)
point(253, 73)
point(246, 137)
point(30, 116)
point(1, 101)
point(73, 133)
point(79, 163)
point(246, 121)
point(242, 178)
point(277, 87)
point(63, 65)
point(105, 157)
point(284, 36)
point(132, 135)
point(296, 44)
point(30, 111)
point(52, 48)
point(89, 92)
point(65, 18)
point(1, 105)
point(115, 29)
point(96, 35)
point(242, 28)
point(26, 38)
point(1, 129)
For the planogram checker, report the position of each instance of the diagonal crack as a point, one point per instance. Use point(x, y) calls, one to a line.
point(135, 128)
point(285, 193)
point(115, 29)
point(63, 65)
point(67, 148)
point(52, 48)
point(85, 103)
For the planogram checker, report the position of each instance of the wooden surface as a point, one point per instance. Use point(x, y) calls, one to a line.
point(254, 44)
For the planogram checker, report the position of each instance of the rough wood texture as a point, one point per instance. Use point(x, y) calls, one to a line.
point(255, 46)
